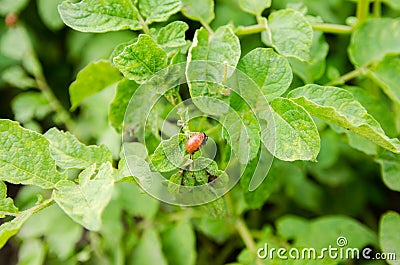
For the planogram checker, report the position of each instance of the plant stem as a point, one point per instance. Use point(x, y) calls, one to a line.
point(211, 130)
point(144, 25)
point(225, 252)
point(55, 104)
point(229, 205)
point(247, 30)
point(201, 123)
point(31, 210)
point(245, 234)
point(377, 8)
point(362, 10)
point(346, 77)
point(207, 27)
point(332, 28)
point(38, 207)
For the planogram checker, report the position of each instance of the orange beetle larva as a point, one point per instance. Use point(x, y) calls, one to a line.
point(195, 142)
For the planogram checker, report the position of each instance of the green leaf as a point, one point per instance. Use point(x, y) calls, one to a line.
point(7, 206)
point(255, 7)
point(12, 6)
point(179, 244)
point(357, 234)
point(158, 10)
point(15, 43)
point(270, 71)
point(112, 229)
point(222, 46)
point(59, 231)
point(372, 100)
point(390, 166)
point(290, 226)
point(12, 227)
point(31, 252)
point(243, 135)
point(68, 152)
point(48, 12)
point(330, 150)
point(214, 228)
point(306, 193)
point(177, 179)
point(130, 151)
point(255, 199)
point(389, 237)
point(100, 16)
point(212, 170)
point(136, 202)
point(210, 61)
point(291, 34)
point(141, 60)
point(339, 107)
point(30, 105)
point(16, 76)
point(149, 243)
point(93, 78)
point(216, 209)
point(395, 4)
point(169, 154)
point(295, 133)
point(385, 73)
point(308, 234)
point(172, 35)
point(315, 68)
point(125, 90)
point(362, 51)
point(202, 11)
point(361, 144)
point(25, 157)
point(85, 202)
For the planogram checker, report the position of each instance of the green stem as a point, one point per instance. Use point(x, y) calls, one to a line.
point(332, 28)
point(377, 8)
point(225, 252)
point(144, 25)
point(94, 240)
point(362, 10)
point(242, 229)
point(211, 130)
point(247, 30)
point(202, 123)
point(248, 240)
point(229, 205)
point(38, 207)
point(346, 77)
point(207, 27)
point(55, 104)
point(174, 97)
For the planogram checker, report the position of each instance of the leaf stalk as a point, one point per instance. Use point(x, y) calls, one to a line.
point(332, 28)
point(362, 10)
point(346, 77)
point(248, 30)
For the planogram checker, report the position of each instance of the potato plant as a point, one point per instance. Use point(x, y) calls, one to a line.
point(200, 132)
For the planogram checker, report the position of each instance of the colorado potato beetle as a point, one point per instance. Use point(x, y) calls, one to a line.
point(195, 142)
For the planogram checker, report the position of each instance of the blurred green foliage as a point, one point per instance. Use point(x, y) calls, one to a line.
point(299, 204)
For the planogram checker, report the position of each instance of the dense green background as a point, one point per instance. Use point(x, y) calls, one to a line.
point(300, 203)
